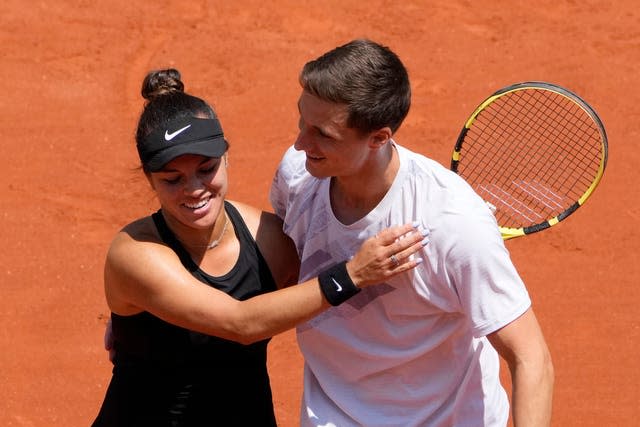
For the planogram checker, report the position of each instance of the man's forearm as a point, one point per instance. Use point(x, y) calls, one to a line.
point(533, 394)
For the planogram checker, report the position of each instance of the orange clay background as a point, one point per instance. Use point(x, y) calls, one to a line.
point(71, 73)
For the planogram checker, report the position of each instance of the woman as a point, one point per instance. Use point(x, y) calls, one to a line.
point(190, 287)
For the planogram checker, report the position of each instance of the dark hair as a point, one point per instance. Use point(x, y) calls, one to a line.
point(366, 76)
point(166, 101)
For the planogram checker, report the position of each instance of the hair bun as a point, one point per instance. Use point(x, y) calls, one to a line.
point(161, 82)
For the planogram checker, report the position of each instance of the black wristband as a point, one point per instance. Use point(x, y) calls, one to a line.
point(336, 285)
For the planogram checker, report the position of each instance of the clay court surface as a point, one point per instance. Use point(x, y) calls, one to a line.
point(71, 73)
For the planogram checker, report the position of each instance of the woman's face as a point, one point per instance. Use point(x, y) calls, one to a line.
point(191, 189)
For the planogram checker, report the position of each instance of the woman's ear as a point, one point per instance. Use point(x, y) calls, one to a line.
point(148, 175)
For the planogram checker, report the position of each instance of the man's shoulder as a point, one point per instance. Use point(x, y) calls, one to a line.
point(292, 173)
point(421, 163)
point(430, 178)
point(448, 202)
point(291, 183)
point(292, 163)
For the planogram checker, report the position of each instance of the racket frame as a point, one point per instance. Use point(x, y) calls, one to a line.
point(509, 232)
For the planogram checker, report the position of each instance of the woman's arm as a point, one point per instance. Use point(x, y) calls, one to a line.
point(277, 248)
point(148, 276)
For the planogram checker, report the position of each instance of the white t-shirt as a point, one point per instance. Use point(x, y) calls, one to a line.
point(411, 351)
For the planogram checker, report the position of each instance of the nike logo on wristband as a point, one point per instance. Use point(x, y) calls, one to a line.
point(338, 287)
point(169, 136)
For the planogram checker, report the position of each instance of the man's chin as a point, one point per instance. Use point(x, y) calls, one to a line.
point(314, 170)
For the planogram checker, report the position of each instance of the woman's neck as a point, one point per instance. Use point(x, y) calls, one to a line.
point(200, 239)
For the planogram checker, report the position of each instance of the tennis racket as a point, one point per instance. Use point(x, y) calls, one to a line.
point(535, 152)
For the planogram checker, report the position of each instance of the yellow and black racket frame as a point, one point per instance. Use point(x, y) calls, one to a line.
point(508, 232)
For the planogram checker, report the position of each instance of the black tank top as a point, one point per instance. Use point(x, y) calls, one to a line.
point(165, 375)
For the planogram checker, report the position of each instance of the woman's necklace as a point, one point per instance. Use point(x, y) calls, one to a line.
point(224, 229)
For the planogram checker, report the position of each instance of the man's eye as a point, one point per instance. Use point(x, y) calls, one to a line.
point(323, 135)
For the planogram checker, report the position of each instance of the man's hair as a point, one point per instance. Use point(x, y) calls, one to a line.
point(366, 76)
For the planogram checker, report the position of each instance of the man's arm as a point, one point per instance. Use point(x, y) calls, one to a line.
point(522, 345)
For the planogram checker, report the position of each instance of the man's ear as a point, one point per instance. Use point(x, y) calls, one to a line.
point(378, 138)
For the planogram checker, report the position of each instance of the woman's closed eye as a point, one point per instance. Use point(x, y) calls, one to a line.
point(171, 180)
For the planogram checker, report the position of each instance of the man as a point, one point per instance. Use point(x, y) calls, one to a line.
point(421, 349)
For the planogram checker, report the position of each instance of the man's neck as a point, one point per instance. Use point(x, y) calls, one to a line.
point(353, 197)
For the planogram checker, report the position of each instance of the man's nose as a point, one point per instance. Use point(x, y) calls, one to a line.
point(302, 141)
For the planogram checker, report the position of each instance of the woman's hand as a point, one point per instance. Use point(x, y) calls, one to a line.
point(386, 254)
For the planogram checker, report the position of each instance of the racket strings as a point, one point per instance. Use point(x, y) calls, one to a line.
point(531, 153)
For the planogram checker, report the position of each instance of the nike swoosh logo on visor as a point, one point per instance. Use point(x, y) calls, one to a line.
point(338, 287)
point(169, 136)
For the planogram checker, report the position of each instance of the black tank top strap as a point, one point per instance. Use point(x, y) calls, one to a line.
point(170, 239)
point(242, 231)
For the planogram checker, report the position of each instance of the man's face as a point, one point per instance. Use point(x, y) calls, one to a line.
point(332, 148)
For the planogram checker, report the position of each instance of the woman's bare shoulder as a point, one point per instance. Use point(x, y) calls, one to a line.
point(141, 229)
point(137, 265)
point(139, 235)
